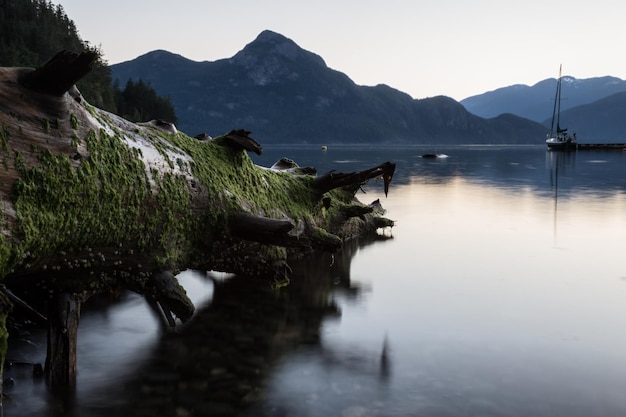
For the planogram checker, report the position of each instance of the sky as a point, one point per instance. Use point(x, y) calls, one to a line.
point(426, 48)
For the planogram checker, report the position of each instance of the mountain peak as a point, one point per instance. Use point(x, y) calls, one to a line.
point(270, 36)
point(162, 58)
point(272, 57)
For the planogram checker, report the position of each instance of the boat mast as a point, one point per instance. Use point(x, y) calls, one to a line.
point(558, 112)
point(557, 102)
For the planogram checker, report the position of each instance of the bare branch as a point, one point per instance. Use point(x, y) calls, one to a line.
point(332, 179)
point(59, 74)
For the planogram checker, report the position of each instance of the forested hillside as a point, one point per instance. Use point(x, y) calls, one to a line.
point(33, 31)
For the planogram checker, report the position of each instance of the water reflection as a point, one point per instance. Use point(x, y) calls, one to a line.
point(220, 361)
point(507, 167)
point(114, 334)
point(486, 311)
point(560, 165)
point(501, 293)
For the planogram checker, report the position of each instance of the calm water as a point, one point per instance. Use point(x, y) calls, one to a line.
point(500, 292)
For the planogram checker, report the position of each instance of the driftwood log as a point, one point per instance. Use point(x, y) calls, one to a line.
point(92, 202)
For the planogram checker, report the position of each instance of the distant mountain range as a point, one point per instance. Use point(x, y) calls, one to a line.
point(285, 94)
point(595, 108)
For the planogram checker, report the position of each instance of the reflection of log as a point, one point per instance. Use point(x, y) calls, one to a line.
point(265, 327)
point(98, 202)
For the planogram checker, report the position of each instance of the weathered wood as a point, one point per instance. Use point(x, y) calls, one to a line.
point(357, 211)
point(167, 296)
point(240, 139)
point(59, 74)
point(64, 315)
point(98, 202)
point(289, 165)
point(354, 180)
point(266, 231)
point(242, 224)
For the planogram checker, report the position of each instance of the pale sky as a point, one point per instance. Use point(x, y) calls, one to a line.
point(457, 48)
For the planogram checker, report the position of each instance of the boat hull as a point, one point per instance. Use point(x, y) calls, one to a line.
point(561, 144)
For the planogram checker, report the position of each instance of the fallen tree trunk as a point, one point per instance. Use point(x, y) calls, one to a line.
point(92, 202)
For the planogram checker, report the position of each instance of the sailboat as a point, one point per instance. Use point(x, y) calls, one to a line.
point(559, 139)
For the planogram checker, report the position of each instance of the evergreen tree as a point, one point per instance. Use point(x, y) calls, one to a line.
point(33, 31)
point(139, 102)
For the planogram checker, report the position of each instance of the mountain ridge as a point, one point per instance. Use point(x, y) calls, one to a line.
point(536, 102)
point(285, 94)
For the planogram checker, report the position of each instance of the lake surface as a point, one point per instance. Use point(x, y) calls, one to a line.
point(501, 291)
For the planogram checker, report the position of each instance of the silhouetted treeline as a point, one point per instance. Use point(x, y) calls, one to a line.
point(33, 31)
point(139, 102)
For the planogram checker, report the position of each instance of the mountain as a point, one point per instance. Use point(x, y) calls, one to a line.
point(537, 102)
point(285, 94)
point(603, 121)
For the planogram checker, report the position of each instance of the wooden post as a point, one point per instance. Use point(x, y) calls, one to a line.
point(5, 309)
point(64, 314)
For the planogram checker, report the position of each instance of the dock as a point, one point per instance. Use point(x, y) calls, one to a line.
point(601, 146)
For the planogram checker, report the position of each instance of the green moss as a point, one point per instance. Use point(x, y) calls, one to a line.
point(4, 138)
point(224, 171)
point(280, 281)
point(73, 121)
point(75, 141)
point(106, 202)
point(110, 200)
point(18, 161)
point(4, 145)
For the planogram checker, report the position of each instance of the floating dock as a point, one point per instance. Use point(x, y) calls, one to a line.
point(601, 146)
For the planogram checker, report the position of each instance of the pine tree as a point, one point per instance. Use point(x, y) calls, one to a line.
point(33, 31)
point(139, 102)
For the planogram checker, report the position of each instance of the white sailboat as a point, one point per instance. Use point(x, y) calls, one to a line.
point(559, 139)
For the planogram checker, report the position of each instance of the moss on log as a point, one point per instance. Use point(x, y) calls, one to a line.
point(87, 196)
point(91, 201)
